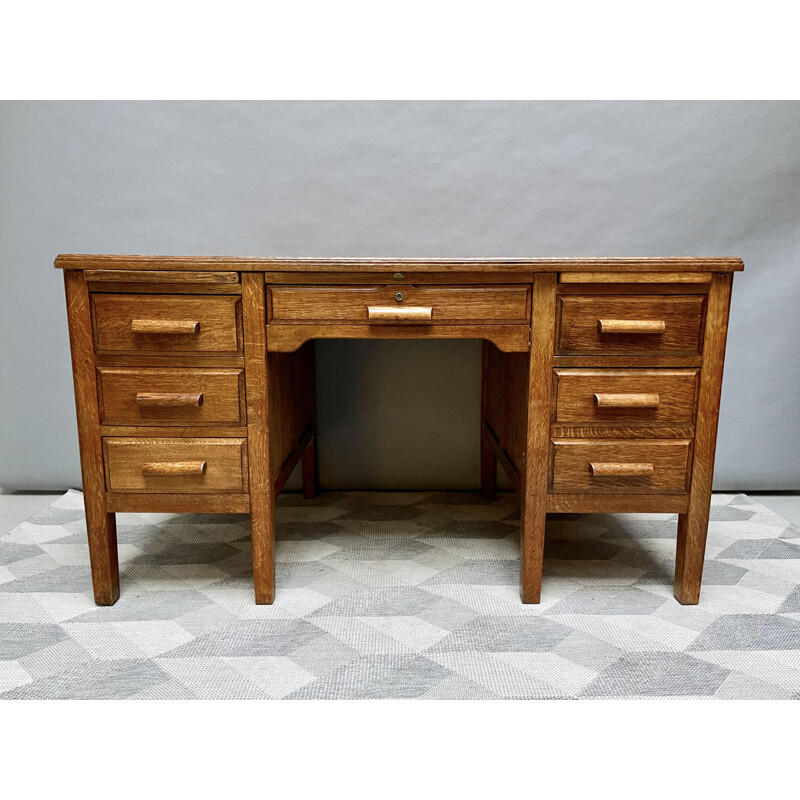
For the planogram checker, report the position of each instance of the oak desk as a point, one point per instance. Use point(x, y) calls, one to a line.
point(194, 383)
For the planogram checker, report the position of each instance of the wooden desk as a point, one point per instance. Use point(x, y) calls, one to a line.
point(194, 383)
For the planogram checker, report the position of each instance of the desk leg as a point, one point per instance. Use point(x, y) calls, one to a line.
point(488, 458)
point(533, 481)
point(262, 500)
point(693, 525)
point(100, 525)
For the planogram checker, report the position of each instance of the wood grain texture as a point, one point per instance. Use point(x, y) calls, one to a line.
point(488, 459)
point(625, 397)
point(178, 327)
point(629, 400)
point(308, 461)
point(138, 503)
point(504, 411)
point(166, 360)
point(572, 469)
point(215, 319)
point(287, 338)
point(164, 468)
point(171, 431)
point(575, 503)
point(693, 525)
point(631, 326)
point(148, 465)
point(169, 399)
point(580, 331)
point(246, 264)
point(653, 360)
point(500, 456)
point(621, 469)
point(396, 278)
point(262, 500)
point(163, 286)
point(617, 431)
point(180, 396)
point(534, 507)
point(506, 304)
point(151, 276)
point(633, 287)
point(291, 406)
point(400, 314)
point(100, 524)
point(292, 460)
point(640, 277)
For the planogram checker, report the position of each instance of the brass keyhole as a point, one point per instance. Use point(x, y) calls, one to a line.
point(399, 297)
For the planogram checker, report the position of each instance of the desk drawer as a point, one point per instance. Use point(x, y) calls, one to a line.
point(175, 466)
point(138, 396)
point(631, 396)
point(399, 304)
point(630, 324)
point(647, 466)
point(166, 324)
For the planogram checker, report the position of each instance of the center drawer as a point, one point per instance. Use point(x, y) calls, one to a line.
point(141, 396)
point(399, 304)
point(175, 466)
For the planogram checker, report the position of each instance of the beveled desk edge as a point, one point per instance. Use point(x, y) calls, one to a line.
point(305, 264)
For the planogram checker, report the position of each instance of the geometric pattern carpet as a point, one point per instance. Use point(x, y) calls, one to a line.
point(401, 595)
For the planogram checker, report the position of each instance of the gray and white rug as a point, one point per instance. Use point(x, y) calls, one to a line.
point(401, 595)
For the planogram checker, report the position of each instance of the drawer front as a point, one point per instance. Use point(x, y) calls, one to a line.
point(628, 396)
point(636, 325)
point(138, 396)
point(175, 466)
point(399, 304)
point(166, 324)
point(620, 467)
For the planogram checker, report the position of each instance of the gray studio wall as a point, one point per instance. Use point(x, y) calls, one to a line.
point(402, 179)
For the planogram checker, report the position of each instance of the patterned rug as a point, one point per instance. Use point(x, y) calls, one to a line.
point(401, 595)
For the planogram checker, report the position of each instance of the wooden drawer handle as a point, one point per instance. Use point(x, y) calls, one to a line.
point(620, 470)
point(631, 325)
point(400, 313)
point(626, 400)
point(179, 326)
point(174, 468)
point(166, 400)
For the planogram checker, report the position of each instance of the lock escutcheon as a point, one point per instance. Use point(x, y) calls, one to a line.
point(399, 297)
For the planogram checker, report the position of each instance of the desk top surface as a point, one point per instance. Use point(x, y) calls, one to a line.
point(488, 265)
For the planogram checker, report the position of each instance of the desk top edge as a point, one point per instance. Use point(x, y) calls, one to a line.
point(251, 264)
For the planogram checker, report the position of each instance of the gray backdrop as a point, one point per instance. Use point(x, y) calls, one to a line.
point(402, 179)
